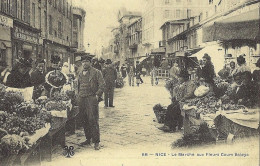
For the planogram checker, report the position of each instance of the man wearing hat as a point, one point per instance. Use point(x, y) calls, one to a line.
point(90, 89)
point(110, 76)
point(19, 76)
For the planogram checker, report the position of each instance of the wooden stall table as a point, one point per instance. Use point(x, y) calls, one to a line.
point(55, 137)
point(238, 123)
point(72, 120)
point(192, 121)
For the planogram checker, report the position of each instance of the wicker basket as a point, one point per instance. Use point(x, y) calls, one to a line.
point(160, 115)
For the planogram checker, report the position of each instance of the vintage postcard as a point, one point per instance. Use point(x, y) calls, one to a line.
point(129, 82)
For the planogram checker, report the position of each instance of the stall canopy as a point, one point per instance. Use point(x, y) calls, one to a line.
point(160, 50)
point(243, 26)
point(216, 53)
point(142, 59)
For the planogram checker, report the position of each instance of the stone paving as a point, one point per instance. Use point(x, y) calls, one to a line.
point(130, 129)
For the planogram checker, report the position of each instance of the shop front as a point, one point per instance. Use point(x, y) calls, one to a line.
point(55, 49)
point(6, 24)
point(25, 42)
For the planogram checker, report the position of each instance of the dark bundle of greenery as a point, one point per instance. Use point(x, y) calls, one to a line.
point(200, 136)
point(158, 107)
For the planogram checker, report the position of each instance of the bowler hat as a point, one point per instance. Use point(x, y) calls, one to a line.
point(108, 61)
point(86, 58)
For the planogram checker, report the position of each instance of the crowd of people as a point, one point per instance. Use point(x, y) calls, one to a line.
point(92, 80)
point(245, 86)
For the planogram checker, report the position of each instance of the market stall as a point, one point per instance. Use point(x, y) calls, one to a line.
point(31, 129)
point(215, 109)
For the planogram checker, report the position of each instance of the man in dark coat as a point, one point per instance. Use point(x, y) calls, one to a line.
point(110, 76)
point(19, 76)
point(91, 86)
point(38, 79)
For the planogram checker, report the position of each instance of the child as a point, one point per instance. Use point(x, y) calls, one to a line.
point(138, 78)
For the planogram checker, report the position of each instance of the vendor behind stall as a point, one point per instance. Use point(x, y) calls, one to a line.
point(243, 83)
point(19, 76)
point(207, 71)
point(38, 79)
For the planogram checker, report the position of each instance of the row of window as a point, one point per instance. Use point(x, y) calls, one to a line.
point(190, 42)
point(136, 38)
point(62, 6)
point(177, 13)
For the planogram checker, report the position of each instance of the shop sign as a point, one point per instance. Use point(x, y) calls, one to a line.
point(25, 35)
point(5, 21)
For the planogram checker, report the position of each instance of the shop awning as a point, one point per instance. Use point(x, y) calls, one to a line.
point(244, 26)
point(216, 54)
point(142, 59)
point(160, 50)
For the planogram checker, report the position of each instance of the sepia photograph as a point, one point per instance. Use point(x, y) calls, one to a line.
point(129, 82)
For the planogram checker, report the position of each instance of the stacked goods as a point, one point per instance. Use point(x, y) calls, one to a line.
point(12, 144)
point(205, 105)
point(18, 120)
point(56, 105)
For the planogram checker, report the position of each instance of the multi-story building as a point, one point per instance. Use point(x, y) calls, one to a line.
point(38, 29)
point(135, 40)
point(158, 12)
point(6, 23)
point(224, 32)
point(78, 26)
point(24, 19)
point(125, 18)
point(59, 33)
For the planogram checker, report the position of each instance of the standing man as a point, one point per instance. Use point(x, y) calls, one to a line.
point(91, 86)
point(110, 76)
point(131, 74)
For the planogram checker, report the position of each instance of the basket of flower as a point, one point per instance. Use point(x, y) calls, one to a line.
point(160, 113)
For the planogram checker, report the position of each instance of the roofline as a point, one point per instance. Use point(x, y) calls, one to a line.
point(135, 21)
point(181, 21)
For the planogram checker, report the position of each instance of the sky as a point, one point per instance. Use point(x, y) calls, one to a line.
point(101, 15)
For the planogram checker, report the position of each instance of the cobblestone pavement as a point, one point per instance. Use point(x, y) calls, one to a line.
point(130, 129)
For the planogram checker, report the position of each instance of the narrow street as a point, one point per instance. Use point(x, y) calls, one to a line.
point(130, 129)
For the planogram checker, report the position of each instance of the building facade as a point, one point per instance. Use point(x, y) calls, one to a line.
point(125, 18)
point(135, 41)
point(78, 26)
point(225, 31)
point(59, 36)
point(37, 29)
point(158, 12)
